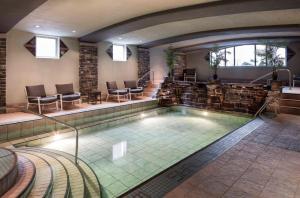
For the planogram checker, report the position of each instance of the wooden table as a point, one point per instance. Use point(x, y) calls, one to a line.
point(94, 96)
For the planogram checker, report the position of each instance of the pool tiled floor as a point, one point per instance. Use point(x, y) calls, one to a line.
point(265, 164)
point(125, 156)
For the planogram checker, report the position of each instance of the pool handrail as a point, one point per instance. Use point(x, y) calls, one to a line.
point(268, 74)
point(62, 123)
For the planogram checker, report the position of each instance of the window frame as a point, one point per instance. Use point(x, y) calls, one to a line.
point(57, 47)
point(255, 57)
point(124, 58)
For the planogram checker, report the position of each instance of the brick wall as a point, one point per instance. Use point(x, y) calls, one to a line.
point(143, 56)
point(2, 72)
point(88, 68)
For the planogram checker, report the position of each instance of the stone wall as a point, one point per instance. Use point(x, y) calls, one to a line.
point(88, 68)
point(228, 97)
point(143, 56)
point(2, 72)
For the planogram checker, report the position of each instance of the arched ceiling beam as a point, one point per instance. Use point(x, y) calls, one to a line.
point(222, 32)
point(218, 8)
point(239, 41)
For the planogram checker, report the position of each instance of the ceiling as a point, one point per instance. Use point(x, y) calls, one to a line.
point(12, 11)
point(180, 23)
point(61, 17)
point(166, 30)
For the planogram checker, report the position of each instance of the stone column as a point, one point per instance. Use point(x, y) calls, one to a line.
point(88, 67)
point(143, 56)
point(179, 65)
point(2, 72)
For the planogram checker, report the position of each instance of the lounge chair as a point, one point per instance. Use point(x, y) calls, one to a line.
point(36, 95)
point(66, 93)
point(133, 89)
point(189, 74)
point(112, 90)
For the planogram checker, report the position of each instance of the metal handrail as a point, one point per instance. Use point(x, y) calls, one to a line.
point(64, 124)
point(285, 69)
point(147, 73)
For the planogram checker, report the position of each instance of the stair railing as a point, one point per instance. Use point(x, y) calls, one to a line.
point(146, 75)
point(270, 73)
point(62, 123)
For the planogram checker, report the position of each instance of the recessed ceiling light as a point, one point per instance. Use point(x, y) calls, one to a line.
point(120, 38)
point(73, 31)
point(37, 26)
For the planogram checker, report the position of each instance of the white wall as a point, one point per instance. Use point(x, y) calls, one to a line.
point(24, 69)
point(158, 63)
point(109, 70)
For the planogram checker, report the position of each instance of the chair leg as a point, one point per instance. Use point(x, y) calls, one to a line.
point(118, 98)
point(56, 105)
point(107, 97)
point(27, 106)
point(61, 105)
point(40, 111)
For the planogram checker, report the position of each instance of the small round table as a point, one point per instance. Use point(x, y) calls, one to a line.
point(94, 96)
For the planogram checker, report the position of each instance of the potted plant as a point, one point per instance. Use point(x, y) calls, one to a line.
point(273, 59)
point(170, 60)
point(217, 55)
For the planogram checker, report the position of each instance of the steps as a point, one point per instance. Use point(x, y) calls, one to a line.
point(52, 174)
point(8, 169)
point(43, 178)
point(25, 179)
point(290, 103)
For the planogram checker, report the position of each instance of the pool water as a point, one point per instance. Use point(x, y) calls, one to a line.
point(127, 155)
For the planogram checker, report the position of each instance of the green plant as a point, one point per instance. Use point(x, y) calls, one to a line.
point(217, 55)
point(271, 57)
point(170, 59)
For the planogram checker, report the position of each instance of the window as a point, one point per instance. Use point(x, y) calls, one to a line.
point(230, 56)
point(47, 47)
point(244, 55)
point(119, 53)
point(261, 55)
point(252, 55)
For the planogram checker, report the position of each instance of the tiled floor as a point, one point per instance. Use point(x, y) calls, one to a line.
point(264, 164)
point(127, 155)
point(14, 117)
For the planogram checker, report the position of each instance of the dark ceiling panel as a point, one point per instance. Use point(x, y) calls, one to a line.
point(222, 32)
point(218, 8)
point(12, 11)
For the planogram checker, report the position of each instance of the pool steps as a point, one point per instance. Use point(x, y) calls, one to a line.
point(13, 132)
point(290, 103)
point(51, 174)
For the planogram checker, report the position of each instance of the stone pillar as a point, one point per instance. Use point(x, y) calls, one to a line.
point(2, 72)
point(143, 56)
point(179, 65)
point(88, 67)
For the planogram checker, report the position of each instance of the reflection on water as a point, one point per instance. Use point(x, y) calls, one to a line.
point(119, 150)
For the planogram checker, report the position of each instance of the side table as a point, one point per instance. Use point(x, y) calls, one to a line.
point(94, 96)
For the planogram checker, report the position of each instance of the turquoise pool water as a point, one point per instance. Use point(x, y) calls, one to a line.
point(127, 155)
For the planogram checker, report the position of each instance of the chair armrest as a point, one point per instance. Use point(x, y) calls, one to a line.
point(33, 97)
point(77, 93)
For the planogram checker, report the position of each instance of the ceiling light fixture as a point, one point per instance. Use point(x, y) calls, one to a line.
point(37, 26)
point(120, 38)
point(73, 31)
